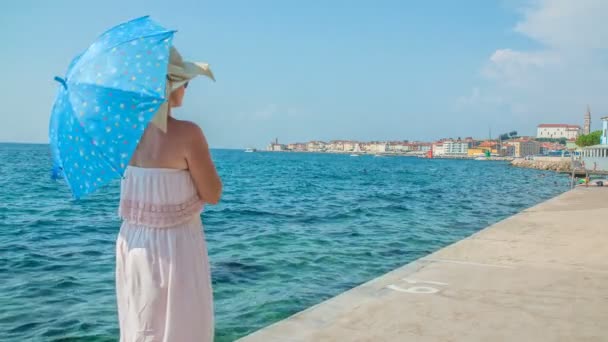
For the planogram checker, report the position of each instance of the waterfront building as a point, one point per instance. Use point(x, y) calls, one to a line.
point(595, 158)
point(470, 141)
point(587, 127)
point(455, 148)
point(571, 144)
point(558, 131)
point(350, 145)
point(547, 148)
point(424, 148)
point(438, 149)
point(507, 151)
point(316, 146)
point(399, 146)
point(375, 147)
point(335, 146)
point(275, 146)
point(298, 147)
point(523, 148)
point(481, 151)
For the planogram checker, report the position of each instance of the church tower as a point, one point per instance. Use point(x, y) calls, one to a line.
point(587, 128)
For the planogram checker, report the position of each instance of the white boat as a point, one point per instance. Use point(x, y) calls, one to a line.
point(249, 150)
point(356, 151)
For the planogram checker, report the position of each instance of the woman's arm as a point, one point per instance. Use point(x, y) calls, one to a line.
point(202, 169)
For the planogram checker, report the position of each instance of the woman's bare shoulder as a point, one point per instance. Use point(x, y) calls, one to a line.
point(187, 132)
point(185, 128)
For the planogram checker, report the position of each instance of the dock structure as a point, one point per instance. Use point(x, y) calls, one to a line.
point(540, 275)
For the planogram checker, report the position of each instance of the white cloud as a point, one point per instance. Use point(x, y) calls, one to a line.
point(566, 70)
point(516, 67)
point(570, 33)
point(564, 24)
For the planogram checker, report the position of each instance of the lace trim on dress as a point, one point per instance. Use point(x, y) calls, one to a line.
point(159, 215)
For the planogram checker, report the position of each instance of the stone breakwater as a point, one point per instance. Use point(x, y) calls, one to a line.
point(557, 164)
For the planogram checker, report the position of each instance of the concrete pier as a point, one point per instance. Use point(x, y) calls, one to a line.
point(541, 275)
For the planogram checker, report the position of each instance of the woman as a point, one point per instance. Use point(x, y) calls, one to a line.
point(163, 281)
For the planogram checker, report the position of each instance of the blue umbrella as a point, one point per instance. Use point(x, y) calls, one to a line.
point(109, 95)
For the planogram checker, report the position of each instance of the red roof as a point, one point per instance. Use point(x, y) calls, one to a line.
point(519, 140)
point(552, 146)
point(488, 144)
point(558, 126)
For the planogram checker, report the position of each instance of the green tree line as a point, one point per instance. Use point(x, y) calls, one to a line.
point(590, 139)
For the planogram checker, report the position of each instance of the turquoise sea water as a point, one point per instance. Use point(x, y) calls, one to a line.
point(291, 231)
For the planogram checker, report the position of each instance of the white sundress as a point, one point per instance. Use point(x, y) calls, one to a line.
point(163, 282)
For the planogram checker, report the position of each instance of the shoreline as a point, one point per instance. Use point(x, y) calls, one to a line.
point(399, 154)
point(561, 165)
point(543, 267)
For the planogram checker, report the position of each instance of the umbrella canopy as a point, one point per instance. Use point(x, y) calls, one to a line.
point(108, 96)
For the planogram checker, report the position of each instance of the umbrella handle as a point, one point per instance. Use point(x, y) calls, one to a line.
point(62, 81)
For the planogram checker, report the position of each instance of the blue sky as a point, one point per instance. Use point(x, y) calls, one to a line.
point(304, 70)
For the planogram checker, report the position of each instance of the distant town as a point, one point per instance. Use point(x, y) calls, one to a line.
point(550, 139)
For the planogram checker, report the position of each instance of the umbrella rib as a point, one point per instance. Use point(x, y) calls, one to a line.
point(131, 92)
point(83, 61)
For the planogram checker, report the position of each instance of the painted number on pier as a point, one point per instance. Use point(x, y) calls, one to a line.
point(418, 286)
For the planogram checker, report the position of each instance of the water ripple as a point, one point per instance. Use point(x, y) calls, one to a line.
point(291, 231)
